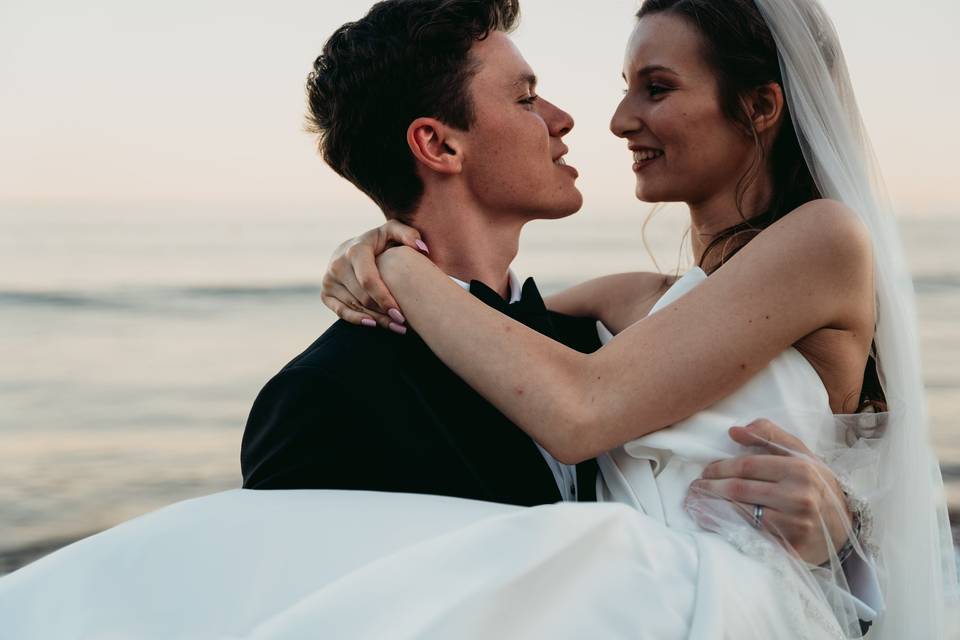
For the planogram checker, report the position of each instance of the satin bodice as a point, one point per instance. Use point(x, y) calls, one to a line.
point(653, 473)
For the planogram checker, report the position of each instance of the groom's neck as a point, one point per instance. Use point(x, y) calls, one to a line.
point(469, 245)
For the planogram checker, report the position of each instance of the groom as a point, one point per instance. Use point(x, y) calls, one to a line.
point(363, 408)
point(427, 107)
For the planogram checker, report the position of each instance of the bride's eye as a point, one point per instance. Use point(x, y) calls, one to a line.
point(657, 90)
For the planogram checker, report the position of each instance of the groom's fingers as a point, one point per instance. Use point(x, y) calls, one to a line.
point(770, 468)
point(780, 524)
point(746, 492)
point(767, 435)
point(793, 516)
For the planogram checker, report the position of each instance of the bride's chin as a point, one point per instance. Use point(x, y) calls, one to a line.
point(644, 193)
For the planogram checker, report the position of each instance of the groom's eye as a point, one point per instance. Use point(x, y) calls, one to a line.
point(529, 100)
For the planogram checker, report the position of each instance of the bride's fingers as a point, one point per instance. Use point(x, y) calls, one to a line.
point(767, 435)
point(368, 278)
point(347, 314)
point(396, 231)
point(348, 280)
point(348, 308)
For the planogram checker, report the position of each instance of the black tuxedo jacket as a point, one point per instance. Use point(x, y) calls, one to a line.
point(367, 409)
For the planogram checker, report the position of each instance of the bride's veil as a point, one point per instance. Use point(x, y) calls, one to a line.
point(916, 558)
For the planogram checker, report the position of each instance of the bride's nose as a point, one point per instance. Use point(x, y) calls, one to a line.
point(625, 120)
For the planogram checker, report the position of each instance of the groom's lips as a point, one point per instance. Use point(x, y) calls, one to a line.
point(560, 162)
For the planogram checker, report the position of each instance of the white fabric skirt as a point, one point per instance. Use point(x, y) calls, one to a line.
point(345, 564)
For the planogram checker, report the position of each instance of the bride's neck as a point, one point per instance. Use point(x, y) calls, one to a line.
point(711, 217)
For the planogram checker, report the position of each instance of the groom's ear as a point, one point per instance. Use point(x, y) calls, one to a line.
point(765, 106)
point(435, 145)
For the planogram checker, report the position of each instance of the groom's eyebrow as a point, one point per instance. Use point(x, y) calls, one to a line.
point(526, 80)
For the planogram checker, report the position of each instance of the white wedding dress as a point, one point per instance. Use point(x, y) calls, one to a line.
point(341, 564)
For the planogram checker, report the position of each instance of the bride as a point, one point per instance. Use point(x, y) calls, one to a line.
point(799, 310)
point(799, 307)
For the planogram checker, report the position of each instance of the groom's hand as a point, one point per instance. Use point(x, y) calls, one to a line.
point(795, 489)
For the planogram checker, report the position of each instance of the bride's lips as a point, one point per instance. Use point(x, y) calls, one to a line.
point(643, 156)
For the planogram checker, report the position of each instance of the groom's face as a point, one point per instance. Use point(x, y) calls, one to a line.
point(512, 157)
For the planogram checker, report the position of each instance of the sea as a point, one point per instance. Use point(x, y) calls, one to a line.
point(134, 338)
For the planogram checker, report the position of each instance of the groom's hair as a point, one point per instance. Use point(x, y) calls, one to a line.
point(404, 60)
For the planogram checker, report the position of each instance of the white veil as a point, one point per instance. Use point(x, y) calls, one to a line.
point(911, 530)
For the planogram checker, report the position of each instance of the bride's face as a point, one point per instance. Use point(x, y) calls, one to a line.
point(683, 147)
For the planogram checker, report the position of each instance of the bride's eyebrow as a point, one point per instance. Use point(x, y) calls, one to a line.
point(650, 69)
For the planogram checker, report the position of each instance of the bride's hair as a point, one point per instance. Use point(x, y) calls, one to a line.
point(739, 47)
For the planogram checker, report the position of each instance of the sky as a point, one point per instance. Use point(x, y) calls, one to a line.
point(120, 102)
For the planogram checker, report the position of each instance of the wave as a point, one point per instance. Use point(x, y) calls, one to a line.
point(55, 299)
point(937, 283)
point(950, 472)
point(140, 298)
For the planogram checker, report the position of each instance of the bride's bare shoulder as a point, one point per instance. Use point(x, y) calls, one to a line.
point(823, 234)
point(823, 252)
point(822, 241)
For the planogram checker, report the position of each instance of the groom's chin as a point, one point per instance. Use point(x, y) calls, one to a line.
point(571, 204)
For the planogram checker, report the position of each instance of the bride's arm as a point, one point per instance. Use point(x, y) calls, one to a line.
point(353, 289)
point(617, 300)
point(806, 272)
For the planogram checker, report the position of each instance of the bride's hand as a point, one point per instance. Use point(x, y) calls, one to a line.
point(352, 287)
point(795, 489)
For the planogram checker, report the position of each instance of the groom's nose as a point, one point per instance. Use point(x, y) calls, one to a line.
point(559, 122)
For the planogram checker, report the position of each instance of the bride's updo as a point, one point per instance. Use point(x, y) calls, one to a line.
point(740, 49)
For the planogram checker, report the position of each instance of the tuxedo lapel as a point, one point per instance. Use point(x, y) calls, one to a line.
point(491, 447)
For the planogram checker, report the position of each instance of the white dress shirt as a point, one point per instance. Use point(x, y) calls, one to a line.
point(565, 475)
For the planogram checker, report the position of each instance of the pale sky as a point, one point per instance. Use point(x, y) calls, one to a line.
point(202, 101)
